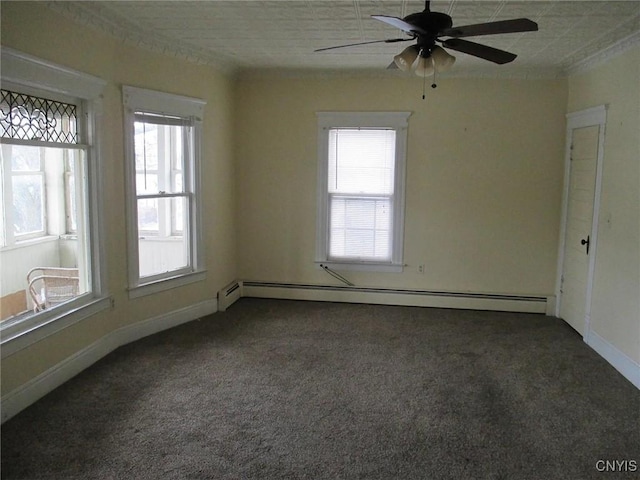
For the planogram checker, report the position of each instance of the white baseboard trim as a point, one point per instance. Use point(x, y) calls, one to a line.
point(20, 398)
point(139, 330)
point(28, 393)
point(629, 368)
point(382, 296)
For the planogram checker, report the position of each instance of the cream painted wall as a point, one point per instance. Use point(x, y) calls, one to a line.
point(484, 179)
point(27, 27)
point(615, 310)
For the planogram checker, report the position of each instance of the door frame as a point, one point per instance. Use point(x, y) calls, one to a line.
point(595, 116)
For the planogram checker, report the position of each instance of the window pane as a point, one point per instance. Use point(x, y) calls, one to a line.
point(361, 161)
point(360, 228)
point(178, 185)
point(28, 204)
point(46, 274)
point(146, 146)
point(25, 159)
point(148, 216)
point(159, 158)
point(163, 253)
point(177, 215)
point(27, 117)
point(147, 183)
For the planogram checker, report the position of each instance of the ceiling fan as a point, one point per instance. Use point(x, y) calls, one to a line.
point(428, 28)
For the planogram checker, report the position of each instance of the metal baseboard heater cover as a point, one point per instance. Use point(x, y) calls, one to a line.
point(228, 295)
point(408, 297)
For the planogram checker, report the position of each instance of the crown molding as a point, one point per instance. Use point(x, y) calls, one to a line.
point(91, 14)
point(604, 55)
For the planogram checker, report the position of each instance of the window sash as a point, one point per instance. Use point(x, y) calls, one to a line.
point(360, 184)
point(361, 160)
point(364, 233)
point(158, 254)
point(390, 258)
point(169, 155)
point(168, 214)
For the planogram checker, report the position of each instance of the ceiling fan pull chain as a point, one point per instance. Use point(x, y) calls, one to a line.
point(424, 85)
point(433, 85)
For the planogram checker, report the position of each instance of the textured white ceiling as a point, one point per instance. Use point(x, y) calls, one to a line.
point(250, 35)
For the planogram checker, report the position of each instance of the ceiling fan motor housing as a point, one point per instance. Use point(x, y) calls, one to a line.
point(431, 23)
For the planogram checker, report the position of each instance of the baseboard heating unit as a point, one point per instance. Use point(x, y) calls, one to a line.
point(384, 296)
point(228, 295)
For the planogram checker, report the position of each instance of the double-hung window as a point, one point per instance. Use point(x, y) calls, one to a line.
point(163, 133)
point(50, 197)
point(361, 189)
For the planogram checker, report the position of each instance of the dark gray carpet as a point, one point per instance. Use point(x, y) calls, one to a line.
point(280, 389)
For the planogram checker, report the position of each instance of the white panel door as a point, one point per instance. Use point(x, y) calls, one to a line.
point(579, 222)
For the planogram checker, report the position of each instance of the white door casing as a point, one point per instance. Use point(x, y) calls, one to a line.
point(579, 226)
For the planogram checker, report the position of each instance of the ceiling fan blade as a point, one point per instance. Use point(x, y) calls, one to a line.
point(492, 28)
point(390, 40)
point(400, 23)
point(481, 51)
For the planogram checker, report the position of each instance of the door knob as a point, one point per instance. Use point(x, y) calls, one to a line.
point(585, 242)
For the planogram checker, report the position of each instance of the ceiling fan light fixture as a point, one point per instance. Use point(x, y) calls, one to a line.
point(442, 60)
point(405, 59)
point(425, 67)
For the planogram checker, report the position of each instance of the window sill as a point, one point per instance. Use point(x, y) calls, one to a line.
point(166, 284)
point(30, 242)
point(20, 335)
point(363, 266)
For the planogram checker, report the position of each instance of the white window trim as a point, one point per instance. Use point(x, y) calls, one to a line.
point(34, 75)
point(151, 101)
point(399, 121)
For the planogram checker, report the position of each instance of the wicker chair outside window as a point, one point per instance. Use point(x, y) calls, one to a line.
point(50, 286)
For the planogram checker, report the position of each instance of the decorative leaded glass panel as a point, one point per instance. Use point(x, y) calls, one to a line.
point(26, 117)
